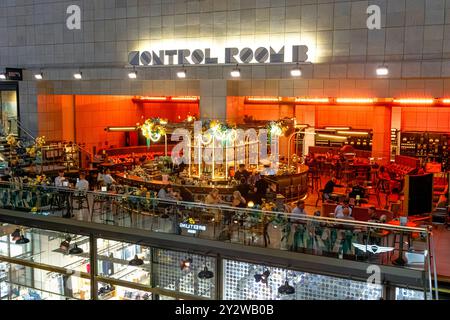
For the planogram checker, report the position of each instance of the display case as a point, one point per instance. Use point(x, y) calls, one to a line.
point(427, 146)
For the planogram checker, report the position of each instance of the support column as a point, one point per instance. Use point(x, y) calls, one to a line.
point(382, 122)
point(308, 116)
point(397, 124)
point(213, 100)
point(68, 118)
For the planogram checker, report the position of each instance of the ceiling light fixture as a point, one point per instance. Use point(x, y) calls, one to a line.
point(355, 100)
point(414, 101)
point(236, 72)
point(78, 75)
point(182, 74)
point(39, 76)
point(2, 76)
point(133, 74)
point(382, 70)
point(312, 100)
point(296, 71)
point(205, 273)
point(329, 136)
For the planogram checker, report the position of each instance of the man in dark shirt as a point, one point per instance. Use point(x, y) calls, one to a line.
point(242, 173)
point(329, 188)
point(185, 193)
point(260, 190)
point(357, 190)
point(243, 187)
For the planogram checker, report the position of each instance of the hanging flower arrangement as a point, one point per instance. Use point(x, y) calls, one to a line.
point(11, 140)
point(153, 129)
point(276, 129)
point(39, 142)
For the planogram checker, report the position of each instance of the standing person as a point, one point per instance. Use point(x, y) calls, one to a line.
point(242, 173)
point(185, 193)
point(329, 188)
point(244, 187)
point(261, 187)
point(60, 179)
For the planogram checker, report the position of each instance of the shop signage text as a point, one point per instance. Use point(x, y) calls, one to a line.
point(232, 55)
point(192, 228)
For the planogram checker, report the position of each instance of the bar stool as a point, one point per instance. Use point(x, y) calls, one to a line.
point(98, 205)
point(82, 198)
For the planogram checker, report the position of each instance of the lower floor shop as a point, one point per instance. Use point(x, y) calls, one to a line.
point(46, 269)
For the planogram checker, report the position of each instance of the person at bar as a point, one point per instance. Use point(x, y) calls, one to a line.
point(329, 188)
point(166, 193)
point(59, 180)
point(107, 178)
point(82, 184)
point(346, 214)
point(244, 187)
point(357, 190)
point(261, 187)
point(300, 208)
point(214, 198)
point(339, 211)
point(238, 200)
point(185, 193)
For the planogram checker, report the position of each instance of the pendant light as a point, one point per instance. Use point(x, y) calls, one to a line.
point(286, 289)
point(76, 250)
point(136, 261)
point(22, 240)
point(205, 273)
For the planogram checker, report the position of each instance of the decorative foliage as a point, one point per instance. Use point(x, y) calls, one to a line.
point(11, 140)
point(34, 151)
point(153, 129)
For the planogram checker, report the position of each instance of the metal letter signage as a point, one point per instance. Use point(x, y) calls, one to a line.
point(231, 55)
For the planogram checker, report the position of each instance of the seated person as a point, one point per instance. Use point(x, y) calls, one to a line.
point(166, 193)
point(59, 180)
point(372, 211)
point(107, 178)
point(82, 184)
point(238, 200)
point(329, 188)
point(357, 190)
point(346, 214)
point(339, 211)
point(214, 197)
point(300, 208)
point(185, 194)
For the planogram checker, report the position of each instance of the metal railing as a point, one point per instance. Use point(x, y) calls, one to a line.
point(373, 243)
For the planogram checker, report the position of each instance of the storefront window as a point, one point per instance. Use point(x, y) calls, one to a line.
point(8, 110)
point(244, 281)
point(124, 261)
point(181, 272)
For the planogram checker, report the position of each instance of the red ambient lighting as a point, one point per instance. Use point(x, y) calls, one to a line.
point(183, 99)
